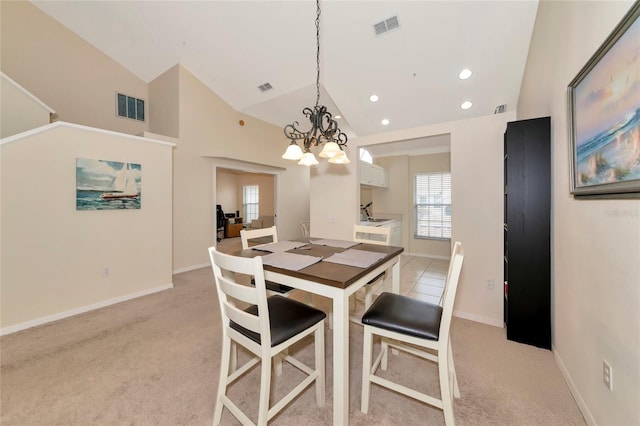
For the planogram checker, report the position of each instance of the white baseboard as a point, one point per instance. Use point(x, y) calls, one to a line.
point(574, 391)
point(190, 268)
point(39, 321)
point(432, 256)
point(477, 318)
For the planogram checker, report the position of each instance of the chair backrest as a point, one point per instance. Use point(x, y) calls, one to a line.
point(450, 289)
point(250, 234)
point(305, 227)
point(225, 270)
point(380, 235)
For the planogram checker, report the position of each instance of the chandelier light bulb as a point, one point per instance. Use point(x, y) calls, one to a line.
point(329, 150)
point(308, 159)
point(339, 158)
point(293, 152)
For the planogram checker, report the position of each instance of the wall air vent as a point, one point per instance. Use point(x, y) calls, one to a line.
point(265, 87)
point(386, 25)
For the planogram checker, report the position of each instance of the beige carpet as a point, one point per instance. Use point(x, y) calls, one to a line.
point(154, 361)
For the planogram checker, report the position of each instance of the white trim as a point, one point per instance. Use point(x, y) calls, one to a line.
point(245, 166)
point(57, 124)
point(190, 268)
point(29, 94)
point(582, 406)
point(478, 318)
point(429, 255)
point(82, 309)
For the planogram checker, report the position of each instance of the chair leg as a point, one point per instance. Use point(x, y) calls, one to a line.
point(234, 357)
point(367, 344)
point(452, 371)
point(265, 387)
point(277, 362)
point(445, 389)
point(222, 380)
point(320, 381)
point(385, 354)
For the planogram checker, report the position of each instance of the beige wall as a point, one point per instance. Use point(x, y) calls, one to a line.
point(75, 79)
point(209, 128)
point(227, 191)
point(476, 169)
point(164, 104)
point(595, 243)
point(52, 254)
point(19, 109)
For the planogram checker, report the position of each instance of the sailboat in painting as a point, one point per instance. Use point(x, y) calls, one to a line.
point(124, 185)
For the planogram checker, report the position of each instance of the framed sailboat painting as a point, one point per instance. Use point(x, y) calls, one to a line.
point(107, 185)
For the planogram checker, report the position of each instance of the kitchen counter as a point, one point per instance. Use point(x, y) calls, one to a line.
point(378, 222)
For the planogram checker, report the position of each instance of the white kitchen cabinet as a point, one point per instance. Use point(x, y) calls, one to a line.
point(395, 239)
point(395, 236)
point(373, 175)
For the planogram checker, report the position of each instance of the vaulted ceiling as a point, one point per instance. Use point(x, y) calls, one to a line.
point(235, 46)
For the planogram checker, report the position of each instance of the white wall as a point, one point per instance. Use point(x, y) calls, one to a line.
point(19, 109)
point(477, 182)
point(595, 243)
point(52, 254)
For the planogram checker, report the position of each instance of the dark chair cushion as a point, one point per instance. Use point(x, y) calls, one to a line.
point(287, 317)
point(275, 287)
point(404, 315)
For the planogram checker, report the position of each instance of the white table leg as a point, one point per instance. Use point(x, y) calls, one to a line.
point(341, 359)
point(395, 288)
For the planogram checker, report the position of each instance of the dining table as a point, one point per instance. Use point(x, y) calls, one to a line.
point(337, 281)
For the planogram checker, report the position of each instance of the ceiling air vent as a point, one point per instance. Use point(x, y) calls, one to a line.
point(265, 87)
point(500, 109)
point(386, 25)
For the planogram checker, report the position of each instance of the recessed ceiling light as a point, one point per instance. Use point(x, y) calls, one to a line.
point(466, 105)
point(465, 74)
point(385, 122)
point(337, 117)
point(374, 98)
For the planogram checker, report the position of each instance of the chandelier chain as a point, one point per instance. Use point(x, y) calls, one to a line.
point(317, 52)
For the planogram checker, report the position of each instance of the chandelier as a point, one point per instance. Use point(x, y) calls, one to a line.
point(324, 129)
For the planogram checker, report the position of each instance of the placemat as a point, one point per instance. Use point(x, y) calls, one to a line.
point(290, 261)
point(358, 258)
point(280, 246)
point(335, 243)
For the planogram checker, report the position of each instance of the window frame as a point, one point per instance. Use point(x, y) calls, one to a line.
point(442, 205)
point(249, 216)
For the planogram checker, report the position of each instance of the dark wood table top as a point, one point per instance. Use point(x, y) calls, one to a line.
point(333, 274)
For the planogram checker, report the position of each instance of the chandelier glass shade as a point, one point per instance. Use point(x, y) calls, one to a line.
point(324, 129)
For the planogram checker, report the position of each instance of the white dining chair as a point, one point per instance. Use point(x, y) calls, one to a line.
point(379, 235)
point(409, 324)
point(266, 328)
point(305, 227)
point(247, 236)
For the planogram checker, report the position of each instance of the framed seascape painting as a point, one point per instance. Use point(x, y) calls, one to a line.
point(604, 116)
point(107, 185)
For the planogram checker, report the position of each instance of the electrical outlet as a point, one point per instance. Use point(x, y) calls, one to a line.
point(490, 283)
point(331, 219)
point(106, 272)
point(607, 375)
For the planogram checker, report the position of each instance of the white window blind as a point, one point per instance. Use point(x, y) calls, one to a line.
point(432, 197)
point(250, 202)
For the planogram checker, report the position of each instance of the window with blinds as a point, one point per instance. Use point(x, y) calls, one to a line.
point(250, 202)
point(432, 195)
